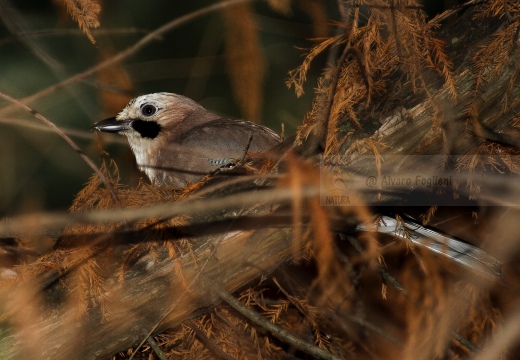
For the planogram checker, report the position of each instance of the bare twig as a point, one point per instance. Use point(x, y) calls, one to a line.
point(217, 352)
point(30, 124)
point(40, 223)
point(333, 87)
point(14, 21)
point(71, 142)
point(71, 32)
point(454, 10)
point(389, 278)
point(273, 328)
point(395, 283)
point(127, 52)
point(9, 17)
point(17, 226)
point(156, 349)
point(395, 32)
point(333, 51)
point(320, 130)
point(367, 325)
point(465, 342)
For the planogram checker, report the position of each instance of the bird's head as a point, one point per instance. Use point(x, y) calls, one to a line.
point(152, 123)
point(148, 116)
point(174, 139)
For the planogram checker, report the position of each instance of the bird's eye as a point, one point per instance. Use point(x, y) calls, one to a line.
point(148, 110)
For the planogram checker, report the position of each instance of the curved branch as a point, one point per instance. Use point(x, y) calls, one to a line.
point(69, 141)
point(127, 52)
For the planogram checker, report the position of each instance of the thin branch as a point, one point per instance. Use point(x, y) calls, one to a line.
point(14, 21)
point(10, 19)
point(320, 131)
point(333, 52)
point(234, 328)
point(71, 32)
point(273, 328)
point(465, 342)
point(367, 325)
point(156, 349)
point(333, 87)
point(127, 52)
point(43, 223)
point(395, 283)
point(454, 10)
point(71, 142)
point(30, 124)
point(217, 352)
point(387, 277)
point(395, 32)
point(17, 226)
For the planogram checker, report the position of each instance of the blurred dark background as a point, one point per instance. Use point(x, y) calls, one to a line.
point(38, 170)
point(40, 46)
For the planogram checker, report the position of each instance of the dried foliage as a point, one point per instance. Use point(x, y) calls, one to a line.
point(394, 86)
point(378, 40)
point(491, 58)
point(85, 13)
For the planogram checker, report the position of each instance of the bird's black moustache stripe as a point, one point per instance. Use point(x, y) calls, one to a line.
point(147, 129)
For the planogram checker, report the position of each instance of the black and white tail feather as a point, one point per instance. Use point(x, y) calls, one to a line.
point(455, 249)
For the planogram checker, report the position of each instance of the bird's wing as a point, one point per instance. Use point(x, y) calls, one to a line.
point(218, 144)
point(223, 140)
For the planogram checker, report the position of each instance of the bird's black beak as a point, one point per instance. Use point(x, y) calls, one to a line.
point(111, 125)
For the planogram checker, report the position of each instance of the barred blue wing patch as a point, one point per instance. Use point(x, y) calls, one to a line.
point(223, 164)
point(219, 162)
